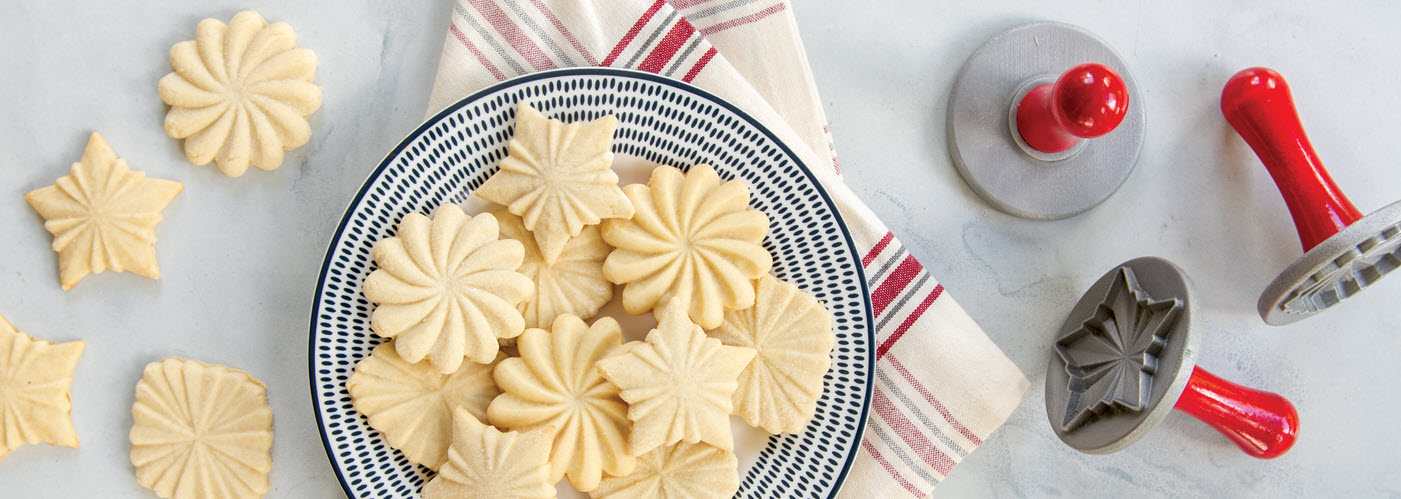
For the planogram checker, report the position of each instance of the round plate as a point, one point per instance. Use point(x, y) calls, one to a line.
point(1339, 267)
point(988, 154)
point(660, 121)
point(1116, 427)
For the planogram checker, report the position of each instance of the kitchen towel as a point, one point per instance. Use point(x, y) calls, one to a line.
point(941, 385)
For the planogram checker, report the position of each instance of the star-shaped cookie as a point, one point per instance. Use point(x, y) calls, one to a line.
point(681, 471)
point(103, 215)
point(677, 383)
point(555, 382)
point(558, 177)
point(484, 463)
point(34, 379)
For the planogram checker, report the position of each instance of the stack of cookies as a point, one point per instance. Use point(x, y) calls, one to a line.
point(494, 377)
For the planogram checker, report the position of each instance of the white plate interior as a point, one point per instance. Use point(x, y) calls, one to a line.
point(660, 122)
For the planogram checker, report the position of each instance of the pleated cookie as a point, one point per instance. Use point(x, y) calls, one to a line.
point(691, 237)
point(573, 284)
point(240, 93)
point(555, 383)
point(447, 288)
point(412, 403)
point(792, 333)
point(558, 178)
point(201, 431)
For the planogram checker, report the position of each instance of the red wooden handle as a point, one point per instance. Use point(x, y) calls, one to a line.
point(1261, 423)
point(1257, 103)
point(1087, 101)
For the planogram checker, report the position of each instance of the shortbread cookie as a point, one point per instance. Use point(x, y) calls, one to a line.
point(681, 471)
point(411, 404)
point(573, 284)
point(103, 215)
point(35, 376)
point(201, 431)
point(240, 93)
point(792, 333)
point(692, 238)
point(447, 288)
point(558, 178)
point(678, 383)
point(555, 383)
point(484, 463)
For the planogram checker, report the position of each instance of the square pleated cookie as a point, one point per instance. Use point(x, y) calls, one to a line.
point(792, 333)
point(412, 403)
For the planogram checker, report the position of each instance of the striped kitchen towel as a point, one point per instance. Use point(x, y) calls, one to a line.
point(941, 386)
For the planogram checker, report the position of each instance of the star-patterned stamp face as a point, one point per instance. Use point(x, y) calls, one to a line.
point(1112, 357)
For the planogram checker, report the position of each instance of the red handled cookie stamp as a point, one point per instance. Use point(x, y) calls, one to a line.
point(1344, 251)
point(1126, 357)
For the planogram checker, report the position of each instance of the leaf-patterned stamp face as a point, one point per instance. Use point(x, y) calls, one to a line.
point(1112, 357)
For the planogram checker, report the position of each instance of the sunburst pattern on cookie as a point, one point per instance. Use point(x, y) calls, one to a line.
point(555, 383)
point(103, 215)
point(792, 333)
point(35, 376)
point(558, 177)
point(573, 284)
point(692, 237)
point(447, 288)
point(678, 383)
point(681, 471)
point(201, 431)
point(240, 93)
point(411, 404)
point(484, 463)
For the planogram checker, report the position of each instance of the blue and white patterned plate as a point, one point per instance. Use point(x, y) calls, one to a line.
point(661, 121)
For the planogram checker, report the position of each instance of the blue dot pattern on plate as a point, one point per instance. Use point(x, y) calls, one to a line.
point(665, 122)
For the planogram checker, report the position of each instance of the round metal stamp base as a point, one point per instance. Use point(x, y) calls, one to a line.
point(984, 146)
point(1123, 357)
point(1338, 268)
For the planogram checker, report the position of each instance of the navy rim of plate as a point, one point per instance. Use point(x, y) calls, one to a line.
point(858, 435)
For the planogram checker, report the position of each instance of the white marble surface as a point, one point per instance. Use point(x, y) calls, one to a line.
point(240, 256)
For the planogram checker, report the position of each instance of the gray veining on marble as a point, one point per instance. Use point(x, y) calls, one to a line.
point(240, 257)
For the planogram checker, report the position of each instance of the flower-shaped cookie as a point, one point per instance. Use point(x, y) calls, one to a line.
point(681, 471)
point(35, 376)
point(240, 93)
point(447, 288)
point(792, 333)
point(573, 284)
point(692, 238)
point(558, 178)
point(201, 431)
point(484, 463)
point(555, 383)
point(103, 215)
point(411, 404)
point(678, 383)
